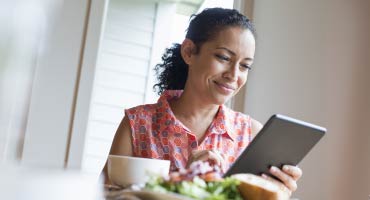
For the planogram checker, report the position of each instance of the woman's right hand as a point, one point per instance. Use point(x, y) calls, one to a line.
point(212, 156)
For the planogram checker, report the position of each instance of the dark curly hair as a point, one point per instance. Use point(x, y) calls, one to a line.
point(172, 73)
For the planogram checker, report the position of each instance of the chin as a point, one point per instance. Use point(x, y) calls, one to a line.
point(220, 96)
point(221, 99)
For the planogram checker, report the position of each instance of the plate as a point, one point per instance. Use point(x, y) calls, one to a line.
point(145, 194)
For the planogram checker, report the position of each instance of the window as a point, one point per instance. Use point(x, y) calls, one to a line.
point(134, 38)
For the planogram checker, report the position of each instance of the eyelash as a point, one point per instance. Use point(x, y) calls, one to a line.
point(247, 67)
point(224, 58)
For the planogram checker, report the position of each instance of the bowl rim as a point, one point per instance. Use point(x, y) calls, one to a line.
point(139, 158)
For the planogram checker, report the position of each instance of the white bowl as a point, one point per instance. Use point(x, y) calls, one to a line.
point(126, 170)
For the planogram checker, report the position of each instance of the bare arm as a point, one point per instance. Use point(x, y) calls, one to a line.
point(121, 144)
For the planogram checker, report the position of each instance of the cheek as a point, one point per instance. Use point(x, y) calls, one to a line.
point(242, 80)
point(211, 68)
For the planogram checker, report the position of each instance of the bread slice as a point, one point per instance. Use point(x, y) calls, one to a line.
point(254, 187)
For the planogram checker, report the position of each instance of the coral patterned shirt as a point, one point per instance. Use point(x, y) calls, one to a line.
point(156, 133)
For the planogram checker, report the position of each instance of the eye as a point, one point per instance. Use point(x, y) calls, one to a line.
point(246, 66)
point(221, 57)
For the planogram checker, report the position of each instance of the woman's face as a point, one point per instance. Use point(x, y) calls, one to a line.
point(220, 68)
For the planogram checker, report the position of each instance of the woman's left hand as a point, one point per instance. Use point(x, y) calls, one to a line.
point(288, 176)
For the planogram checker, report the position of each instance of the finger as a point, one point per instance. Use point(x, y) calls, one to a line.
point(293, 171)
point(221, 158)
point(211, 156)
point(278, 183)
point(194, 156)
point(202, 155)
point(288, 181)
point(205, 155)
point(269, 178)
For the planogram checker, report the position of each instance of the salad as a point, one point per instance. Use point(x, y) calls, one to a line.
point(199, 181)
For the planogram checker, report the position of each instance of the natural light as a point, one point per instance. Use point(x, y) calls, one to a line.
point(182, 21)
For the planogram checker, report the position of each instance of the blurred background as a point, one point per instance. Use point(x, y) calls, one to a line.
point(68, 69)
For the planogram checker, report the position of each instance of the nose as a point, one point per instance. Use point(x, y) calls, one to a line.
point(232, 73)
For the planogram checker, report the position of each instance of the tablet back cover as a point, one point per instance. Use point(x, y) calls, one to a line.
point(283, 140)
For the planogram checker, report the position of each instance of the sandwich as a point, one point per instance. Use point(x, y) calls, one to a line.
point(253, 187)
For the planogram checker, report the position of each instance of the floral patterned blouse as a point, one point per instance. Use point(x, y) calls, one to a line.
point(156, 133)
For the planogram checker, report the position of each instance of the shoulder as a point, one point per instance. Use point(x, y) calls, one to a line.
point(256, 126)
point(146, 109)
point(236, 116)
point(239, 117)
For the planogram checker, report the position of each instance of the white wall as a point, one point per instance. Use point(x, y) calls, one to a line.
point(24, 26)
point(312, 63)
point(53, 91)
point(21, 24)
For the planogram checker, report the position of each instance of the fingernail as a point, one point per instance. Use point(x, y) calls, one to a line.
point(285, 168)
point(263, 175)
point(273, 169)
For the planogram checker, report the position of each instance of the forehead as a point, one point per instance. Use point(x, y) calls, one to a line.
point(239, 40)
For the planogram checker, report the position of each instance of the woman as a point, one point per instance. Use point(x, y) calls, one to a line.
point(189, 122)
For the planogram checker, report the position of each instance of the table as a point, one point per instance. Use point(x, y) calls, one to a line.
point(117, 193)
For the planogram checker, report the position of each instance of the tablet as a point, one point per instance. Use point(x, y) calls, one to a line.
point(282, 140)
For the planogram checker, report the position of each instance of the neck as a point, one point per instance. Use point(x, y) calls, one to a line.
point(191, 107)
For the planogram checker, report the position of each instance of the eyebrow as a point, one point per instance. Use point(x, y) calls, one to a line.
point(233, 53)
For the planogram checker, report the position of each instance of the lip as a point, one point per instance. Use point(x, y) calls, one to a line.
point(225, 88)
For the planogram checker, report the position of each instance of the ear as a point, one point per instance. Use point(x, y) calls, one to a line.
point(187, 50)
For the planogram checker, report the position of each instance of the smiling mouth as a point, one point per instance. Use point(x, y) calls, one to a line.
point(225, 87)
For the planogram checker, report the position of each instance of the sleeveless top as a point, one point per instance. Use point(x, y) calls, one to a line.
point(156, 133)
